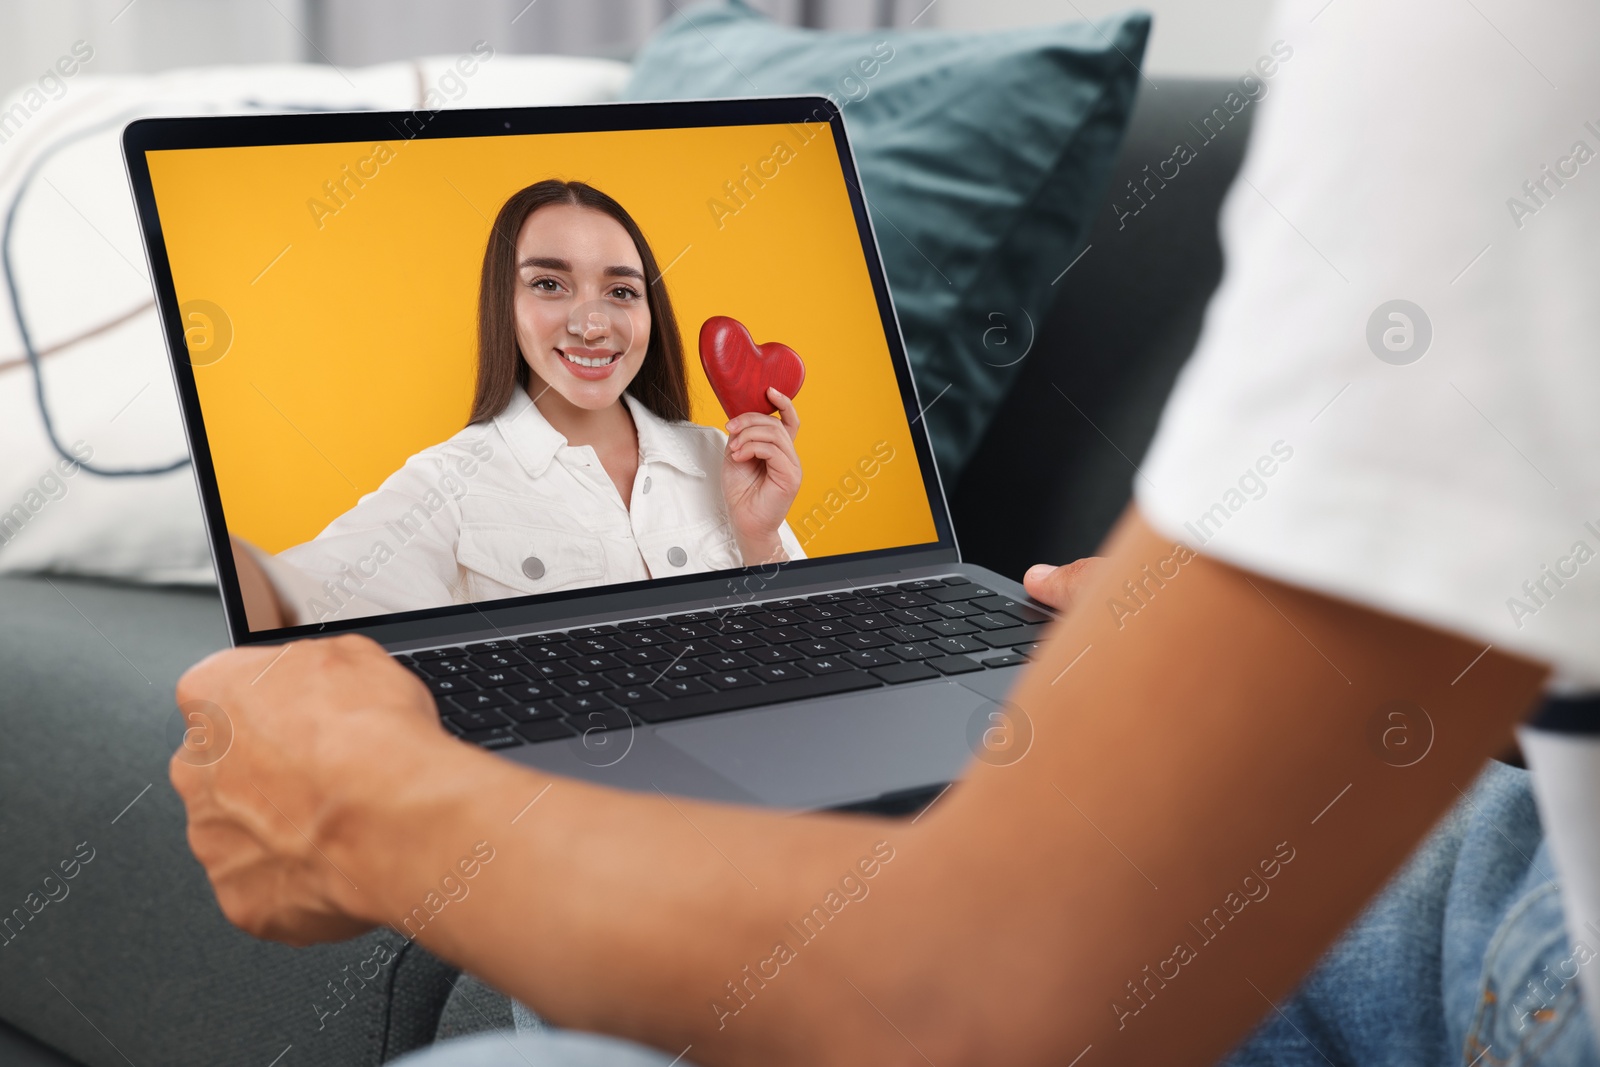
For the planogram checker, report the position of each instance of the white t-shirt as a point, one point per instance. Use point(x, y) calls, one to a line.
point(1437, 459)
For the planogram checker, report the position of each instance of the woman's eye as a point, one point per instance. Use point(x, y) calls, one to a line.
point(623, 292)
point(545, 285)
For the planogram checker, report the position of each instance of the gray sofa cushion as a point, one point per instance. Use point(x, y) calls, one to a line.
point(136, 959)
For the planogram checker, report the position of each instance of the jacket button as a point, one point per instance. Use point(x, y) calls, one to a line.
point(677, 556)
point(646, 483)
point(533, 567)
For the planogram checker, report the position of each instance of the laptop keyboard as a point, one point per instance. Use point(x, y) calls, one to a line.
point(559, 685)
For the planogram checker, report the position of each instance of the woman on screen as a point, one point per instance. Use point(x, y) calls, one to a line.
point(578, 466)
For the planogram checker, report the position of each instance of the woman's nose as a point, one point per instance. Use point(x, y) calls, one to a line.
point(591, 327)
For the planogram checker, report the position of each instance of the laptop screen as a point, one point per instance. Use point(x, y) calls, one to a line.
point(438, 371)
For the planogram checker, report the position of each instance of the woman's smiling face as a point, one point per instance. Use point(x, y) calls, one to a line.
point(583, 321)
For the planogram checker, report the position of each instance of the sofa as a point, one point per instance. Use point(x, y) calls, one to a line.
point(137, 964)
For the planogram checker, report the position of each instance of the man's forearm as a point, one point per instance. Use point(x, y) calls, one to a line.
point(642, 915)
point(1201, 808)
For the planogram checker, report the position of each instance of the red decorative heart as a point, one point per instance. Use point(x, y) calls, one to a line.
point(741, 370)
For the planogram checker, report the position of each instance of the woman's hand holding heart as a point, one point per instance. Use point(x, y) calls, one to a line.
point(761, 477)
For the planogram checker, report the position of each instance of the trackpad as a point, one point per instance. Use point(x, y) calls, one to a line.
point(845, 748)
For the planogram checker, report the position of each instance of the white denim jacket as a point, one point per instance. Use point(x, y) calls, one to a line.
point(507, 508)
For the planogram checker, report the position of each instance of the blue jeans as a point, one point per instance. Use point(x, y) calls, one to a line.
point(1462, 960)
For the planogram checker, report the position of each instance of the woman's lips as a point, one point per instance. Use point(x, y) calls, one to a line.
point(600, 361)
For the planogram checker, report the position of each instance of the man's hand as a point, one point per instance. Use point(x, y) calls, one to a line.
point(1060, 586)
point(297, 739)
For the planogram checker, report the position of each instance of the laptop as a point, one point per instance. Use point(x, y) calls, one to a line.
point(321, 282)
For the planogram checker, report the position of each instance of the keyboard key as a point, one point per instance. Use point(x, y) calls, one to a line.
point(1010, 659)
point(586, 683)
point(642, 639)
point(595, 664)
point(823, 611)
point(778, 618)
point(443, 668)
point(923, 584)
point(482, 698)
point(684, 668)
point(781, 635)
point(949, 627)
point(1024, 612)
point(600, 719)
point(837, 597)
point(682, 687)
point(553, 668)
point(950, 594)
point(540, 712)
point(686, 631)
point(628, 676)
point(404, 660)
point(897, 673)
point(777, 672)
point(495, 737)
point(500, 644)
point(634, 696)
point(692, 649)
point(912, 616)
point(585, 702)
point(642, 657)
point(757, 695)
point(726, 661)
point(528, 692)
point(957, 579)
point(991, 621)
point(957, 645)
point(494, 679)
point(544, 730)
point(484, 719)
point(730, 679)
point(1011, 636)
point(443, 687)
point(907, 600)
point(875, 620)
point(774, 654)
point(497, 660)
point(584, 632)
point(954, 664)
point(543, 648)
point(638, 624)
point(919, 650)
point(594, 646)
point(733, 624)
point(817, 647)
point(872, 657)
point(826, 665)
point(957, 610)
point(828, 628)
point(1026, 650)
point(863, 640)
point(438, 653)
point(736, 642)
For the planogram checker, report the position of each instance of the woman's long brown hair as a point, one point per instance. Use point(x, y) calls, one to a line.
point(660, 384)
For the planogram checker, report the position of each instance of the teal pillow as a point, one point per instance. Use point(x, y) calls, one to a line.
point(983, 157)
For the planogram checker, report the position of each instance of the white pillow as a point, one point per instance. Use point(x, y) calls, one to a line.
point(79, 270)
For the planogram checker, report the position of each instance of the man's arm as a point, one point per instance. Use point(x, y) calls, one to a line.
point(1210, 794)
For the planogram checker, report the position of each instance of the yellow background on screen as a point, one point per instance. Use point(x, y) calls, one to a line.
point(354, 332)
